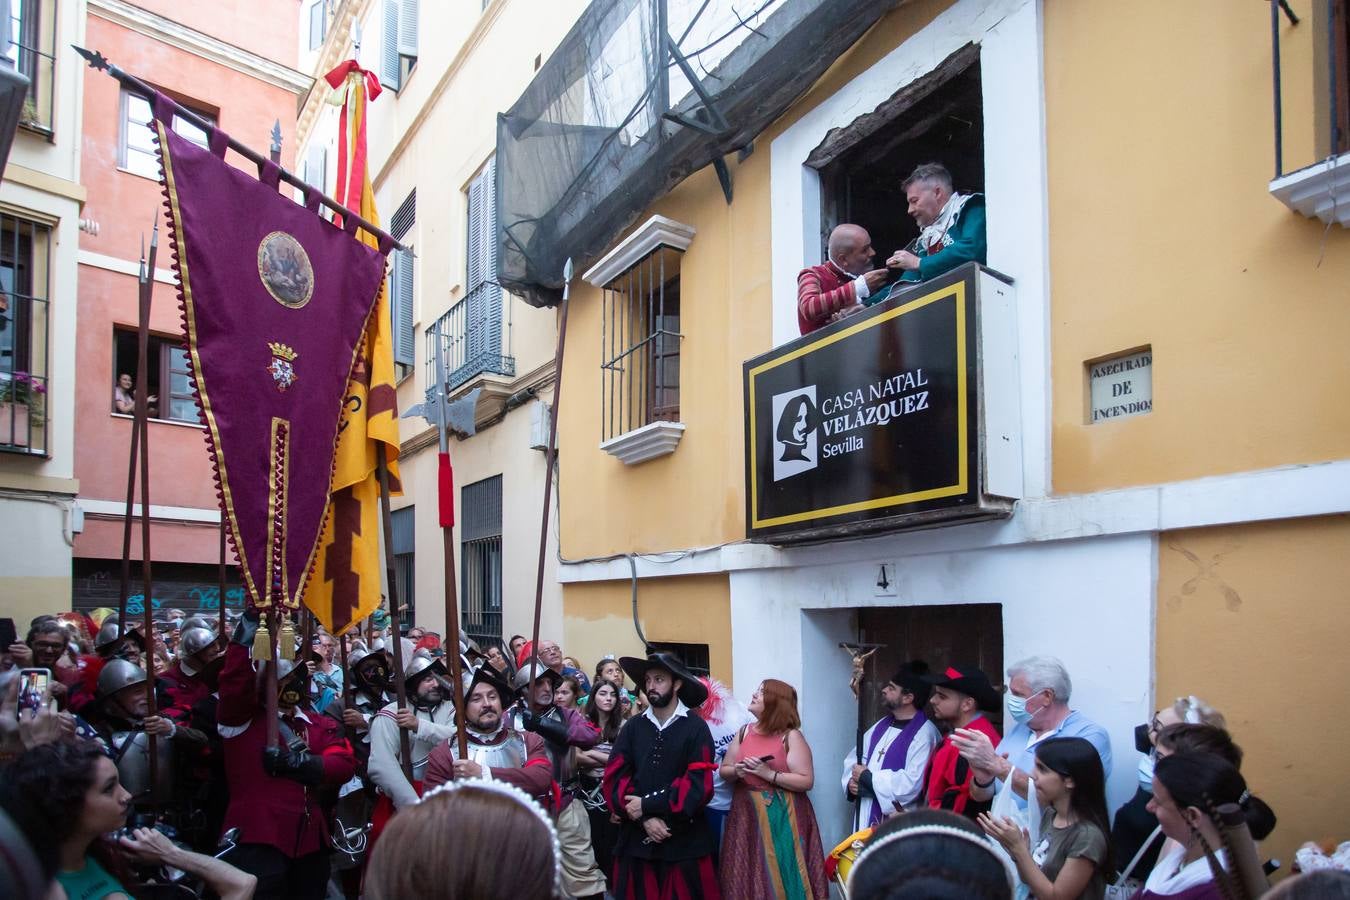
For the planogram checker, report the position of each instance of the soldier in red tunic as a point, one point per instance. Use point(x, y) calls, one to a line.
point(275, 791)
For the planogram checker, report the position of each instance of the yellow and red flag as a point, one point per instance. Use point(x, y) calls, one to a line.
point(346, 584)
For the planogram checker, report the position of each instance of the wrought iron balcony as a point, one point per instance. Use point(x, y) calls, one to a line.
point(475, 337)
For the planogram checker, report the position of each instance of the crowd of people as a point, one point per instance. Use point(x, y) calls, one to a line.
point(154, 764)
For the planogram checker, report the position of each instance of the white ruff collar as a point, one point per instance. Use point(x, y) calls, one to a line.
point(936, 233)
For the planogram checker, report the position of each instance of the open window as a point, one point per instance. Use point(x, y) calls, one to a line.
point(936, 118)
point(170, 383)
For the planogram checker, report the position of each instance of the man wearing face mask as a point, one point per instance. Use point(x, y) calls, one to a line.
point(275, 790)
point(1038, 704)
point(1134, 826)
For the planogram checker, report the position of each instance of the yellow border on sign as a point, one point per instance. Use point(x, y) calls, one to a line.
point(958, 291)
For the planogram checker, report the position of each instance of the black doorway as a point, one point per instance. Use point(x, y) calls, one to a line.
point(958, 634)
point(861, 183)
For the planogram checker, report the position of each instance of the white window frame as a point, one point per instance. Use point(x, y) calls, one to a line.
point(181, 126)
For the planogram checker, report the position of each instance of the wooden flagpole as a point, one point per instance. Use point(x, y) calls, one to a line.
point(97, 60)
point(142, 424)
point(447, 515)
point(550, 460)
point(125, 589)
point(396, 651)
point(220, 575)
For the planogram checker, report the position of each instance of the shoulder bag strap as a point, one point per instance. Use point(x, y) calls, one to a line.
point(1143, 848)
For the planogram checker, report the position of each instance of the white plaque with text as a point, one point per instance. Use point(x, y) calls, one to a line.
point(1121, 386)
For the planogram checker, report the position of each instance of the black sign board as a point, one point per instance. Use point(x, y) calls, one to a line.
point(871, 423)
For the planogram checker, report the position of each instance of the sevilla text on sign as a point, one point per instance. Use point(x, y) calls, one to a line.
point(869, 424)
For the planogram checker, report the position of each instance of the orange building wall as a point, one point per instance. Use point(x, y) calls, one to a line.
point(1252, 620)
point(268, 28)
point(1163, 232)
point(125, 206)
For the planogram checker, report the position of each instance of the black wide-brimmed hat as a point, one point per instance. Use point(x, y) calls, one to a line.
point(692, 691)
point(485, 674)
point(967, 680)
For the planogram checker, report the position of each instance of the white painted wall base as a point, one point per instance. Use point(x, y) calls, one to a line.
point(1089, 602)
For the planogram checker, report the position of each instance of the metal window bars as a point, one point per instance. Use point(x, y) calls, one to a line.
point(481, 549)
point(1336, 52)
point(24, 322)
point(640, 345)
point(32, 51)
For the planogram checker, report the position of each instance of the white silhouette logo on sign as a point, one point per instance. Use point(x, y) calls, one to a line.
point(795, 447)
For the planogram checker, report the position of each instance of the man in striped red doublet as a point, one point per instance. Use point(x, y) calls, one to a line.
point(842, 283)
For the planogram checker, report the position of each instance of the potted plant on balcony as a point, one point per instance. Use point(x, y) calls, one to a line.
point(21, 399)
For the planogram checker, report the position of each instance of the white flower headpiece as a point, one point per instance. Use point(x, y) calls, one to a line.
point(519, 796)
point(944, 830)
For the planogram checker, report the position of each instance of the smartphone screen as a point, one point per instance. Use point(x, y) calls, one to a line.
point(7, 633)
point(32, 688)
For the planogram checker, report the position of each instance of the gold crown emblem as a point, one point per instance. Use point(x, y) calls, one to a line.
point(281, 351)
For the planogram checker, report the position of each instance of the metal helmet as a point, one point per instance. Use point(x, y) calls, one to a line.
point(194, 640)
point(197, 622)
point(117, 674)
point(356, 656)
point(522, 679)
point(108, 641)
point(418, 666)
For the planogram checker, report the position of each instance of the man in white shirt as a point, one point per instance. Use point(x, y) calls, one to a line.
point(896, 750)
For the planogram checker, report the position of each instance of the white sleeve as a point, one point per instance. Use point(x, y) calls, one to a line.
point(860, 289)
point(849, 762)
point(435, 732)
point(385, 768)
point(903, 786)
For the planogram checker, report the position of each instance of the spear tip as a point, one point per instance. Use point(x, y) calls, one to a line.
point(95, 59)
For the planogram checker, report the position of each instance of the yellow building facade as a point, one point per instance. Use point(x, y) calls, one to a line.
point(1192, 549)
point(41, 201)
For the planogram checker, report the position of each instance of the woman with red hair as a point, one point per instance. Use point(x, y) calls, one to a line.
point(771, 848)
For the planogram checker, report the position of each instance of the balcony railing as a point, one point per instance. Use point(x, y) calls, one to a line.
point(475, 338)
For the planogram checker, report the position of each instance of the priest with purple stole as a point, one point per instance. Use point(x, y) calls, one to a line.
point(896, 750)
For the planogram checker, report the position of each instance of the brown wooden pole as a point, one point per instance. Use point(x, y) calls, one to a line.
point(125, 588)
point(396, 651)
point(550, 460)
point(147, 285)
point(306, 633)
point(346, 675)
point(221, 574)
point(452, 632)
point(272, 615)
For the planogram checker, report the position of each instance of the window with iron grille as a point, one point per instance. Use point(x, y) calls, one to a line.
point(640, 343)
point(475, 334)
point(402, 541)
point(24, 317)
point(31, 50)
point(694, 656)
point(480, 529)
